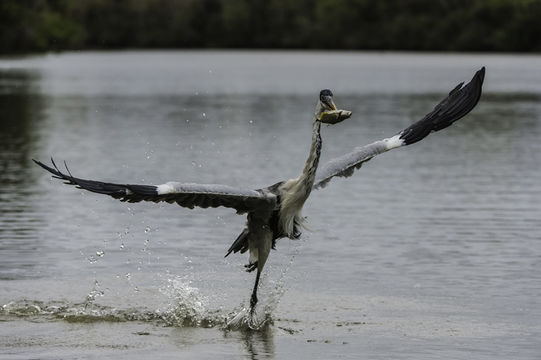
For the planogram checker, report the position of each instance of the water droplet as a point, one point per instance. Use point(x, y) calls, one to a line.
point(128, 276)
point(204, 114)
point(147, 229)
point(145, 246)
point(121, 246)
point(187, 120)
point(100, 253)
point(251, 121)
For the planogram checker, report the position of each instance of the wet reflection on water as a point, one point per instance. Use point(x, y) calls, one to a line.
point(21, 114)
point(259, 344)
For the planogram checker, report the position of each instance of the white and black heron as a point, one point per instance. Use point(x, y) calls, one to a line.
point(274, 212)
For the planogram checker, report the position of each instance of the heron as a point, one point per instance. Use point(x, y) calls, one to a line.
point(275, 212)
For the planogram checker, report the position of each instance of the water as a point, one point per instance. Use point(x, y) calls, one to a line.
point(431, 251)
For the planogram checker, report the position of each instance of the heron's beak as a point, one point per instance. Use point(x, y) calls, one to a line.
point(328, 101)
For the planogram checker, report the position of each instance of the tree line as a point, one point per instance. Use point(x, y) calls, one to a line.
point(423, 25)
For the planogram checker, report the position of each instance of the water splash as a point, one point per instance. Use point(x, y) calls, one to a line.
point(187, 306)
point(248, 319)
point(92, 312)
point(260, 317)
point(93, 294)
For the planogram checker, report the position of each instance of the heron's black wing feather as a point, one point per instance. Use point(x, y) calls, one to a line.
point(186, 195)
point(460, 101)
point(240, 243)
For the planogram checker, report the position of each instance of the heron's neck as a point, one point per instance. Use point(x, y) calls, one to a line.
point(296, 191)
point(309, 172)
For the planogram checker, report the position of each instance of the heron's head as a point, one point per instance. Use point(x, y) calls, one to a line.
point(325, 100)
point(326, 111)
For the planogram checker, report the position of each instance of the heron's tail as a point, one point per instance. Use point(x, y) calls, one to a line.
point(241, 244)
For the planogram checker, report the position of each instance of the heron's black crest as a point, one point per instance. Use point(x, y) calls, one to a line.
point(325, 92)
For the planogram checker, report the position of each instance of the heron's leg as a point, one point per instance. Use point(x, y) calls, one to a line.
point(253, 299)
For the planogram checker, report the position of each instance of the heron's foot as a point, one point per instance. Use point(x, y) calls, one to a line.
point(251, 267)
point(253, 321)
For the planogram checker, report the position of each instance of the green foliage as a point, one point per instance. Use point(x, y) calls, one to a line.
point(438, 25)
point(37, 25)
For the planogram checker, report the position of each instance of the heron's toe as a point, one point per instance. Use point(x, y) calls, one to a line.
point(251, 266)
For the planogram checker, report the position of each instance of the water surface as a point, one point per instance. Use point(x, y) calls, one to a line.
point(431, 251)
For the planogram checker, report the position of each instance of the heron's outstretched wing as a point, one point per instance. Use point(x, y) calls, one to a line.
point(461, 100)
point(186, 195)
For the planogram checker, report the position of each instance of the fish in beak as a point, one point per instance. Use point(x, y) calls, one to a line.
point(334, 116)
point(329, 113)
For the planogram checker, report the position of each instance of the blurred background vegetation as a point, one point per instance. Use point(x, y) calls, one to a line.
point(426, 25)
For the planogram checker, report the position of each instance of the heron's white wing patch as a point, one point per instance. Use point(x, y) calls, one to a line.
point(394, 142)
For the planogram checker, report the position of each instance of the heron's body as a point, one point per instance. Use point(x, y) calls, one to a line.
point(285, 220)
point(265, 226)
point(275, 212)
